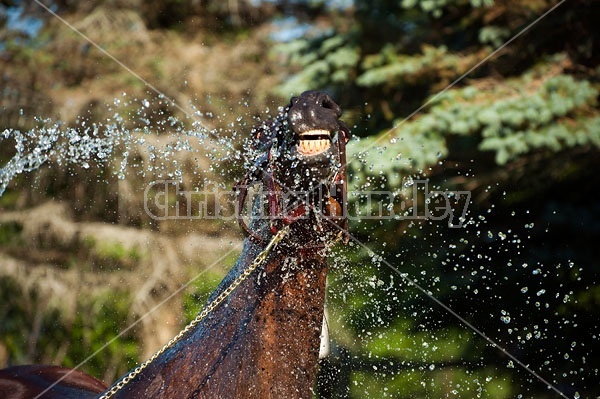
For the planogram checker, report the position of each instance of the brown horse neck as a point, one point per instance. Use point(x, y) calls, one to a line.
point(261, 342)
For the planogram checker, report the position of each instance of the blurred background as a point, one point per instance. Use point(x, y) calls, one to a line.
point(80, 259)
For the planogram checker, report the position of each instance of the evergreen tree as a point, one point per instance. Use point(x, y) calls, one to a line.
point(520, 132)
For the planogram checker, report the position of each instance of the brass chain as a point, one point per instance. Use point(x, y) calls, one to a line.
point(202, 315)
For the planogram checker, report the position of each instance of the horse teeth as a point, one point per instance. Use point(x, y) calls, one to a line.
point(313, 147)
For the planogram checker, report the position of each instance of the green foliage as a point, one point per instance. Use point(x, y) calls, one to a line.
point(9, 199)
point(113, 254)
point(394, 341)
point(445, 383)
point(391, 68)
point(493, 35)
point(13, 315)
point(514, 121)
point(10, 233)
point(86, 329)
point(330, 59)
point(523, 115)
point(436, 7)
point(414, 150)
point(196, 296)
point(95, 324)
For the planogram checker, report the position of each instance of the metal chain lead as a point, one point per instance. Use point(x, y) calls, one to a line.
point(202, 315)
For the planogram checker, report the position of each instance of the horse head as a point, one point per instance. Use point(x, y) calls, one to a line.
point(300, 159)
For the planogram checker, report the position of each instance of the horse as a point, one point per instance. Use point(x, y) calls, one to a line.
point(261, 335)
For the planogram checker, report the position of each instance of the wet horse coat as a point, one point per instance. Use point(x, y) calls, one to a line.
point(263, 340)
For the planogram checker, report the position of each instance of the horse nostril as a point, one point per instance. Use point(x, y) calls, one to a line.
point(327, 103)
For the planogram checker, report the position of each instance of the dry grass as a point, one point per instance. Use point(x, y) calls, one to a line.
point(161, 265)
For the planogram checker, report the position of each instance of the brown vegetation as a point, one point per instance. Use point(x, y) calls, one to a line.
point(63, 262)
